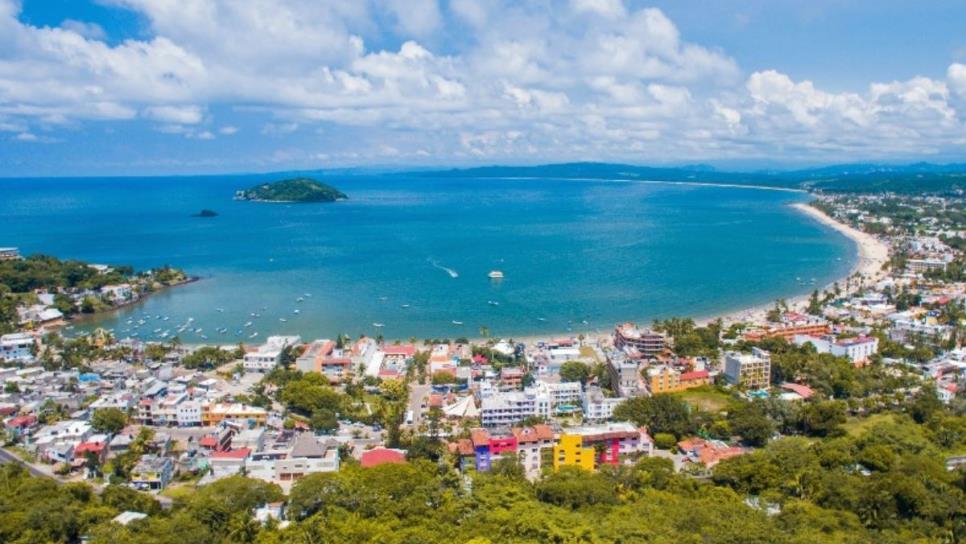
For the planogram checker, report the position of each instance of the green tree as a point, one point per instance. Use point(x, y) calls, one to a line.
point(108, 420)
point(574, 371)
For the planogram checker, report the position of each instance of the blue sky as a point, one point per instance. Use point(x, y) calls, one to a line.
point(93, 87)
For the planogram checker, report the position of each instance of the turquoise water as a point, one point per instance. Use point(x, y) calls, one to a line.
point(413, 254)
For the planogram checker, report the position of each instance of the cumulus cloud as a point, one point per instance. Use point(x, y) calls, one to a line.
point(587, 78)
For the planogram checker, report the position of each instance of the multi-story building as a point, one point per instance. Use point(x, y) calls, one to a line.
point(921, 266)
point(597, 406)
point(570, 451)
point(17, 348)
point(664, 379)
point(749, 370)
point(858, 349)
point(268, 355)
point(508, 408)
point(322, 357)
point(589, 446)
point(625, 375)
point(791, 324)
point(644, 341)
point(290, 457)
point(215, 413)
point(564, 396)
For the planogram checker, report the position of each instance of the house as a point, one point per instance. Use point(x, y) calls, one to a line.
point(625, 375)
point(152, 473)
point(708, 452)
point(611, 442)
point(228, 462)
point(381, 456)
point(128, 516)
point(571, 452)
point(17, 348)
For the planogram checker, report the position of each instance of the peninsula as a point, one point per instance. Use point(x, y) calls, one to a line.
point(292, 190)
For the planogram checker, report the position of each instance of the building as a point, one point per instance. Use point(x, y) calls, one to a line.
point(17, 348)
point(629, 336)
point(664, 379)
point(213, 414)
point(565, 397)
point(9, 253)
point(152, 473)
point(322, 357)
point(625, 375)
point(858, 349)
point(503, 409)
point(707, 452)
point(792, 324)
point(289, 457)
point(597, 406)
point(268, 355)
point(381, 456)
point(749, 370)
point(922, 266)
point(571, 452)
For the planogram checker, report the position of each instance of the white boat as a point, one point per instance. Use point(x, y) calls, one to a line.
point(495, 275)
point(455, 322)
point(493, 303)
point(378, 325)
point(404, 306)
point(300, 299)
point(249, 324)
point(253, 335)
point(295, 311)
point(282, 319)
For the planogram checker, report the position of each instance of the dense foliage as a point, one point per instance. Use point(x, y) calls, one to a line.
point(293, 190)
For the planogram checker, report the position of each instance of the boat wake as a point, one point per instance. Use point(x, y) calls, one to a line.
point(452, 273)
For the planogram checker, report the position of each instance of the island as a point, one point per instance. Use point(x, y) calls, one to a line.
point(292, 190)
point(206, 213)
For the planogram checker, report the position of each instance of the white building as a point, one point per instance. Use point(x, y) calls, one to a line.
point(17, 348)
point(269, 354)
point(751, 370)
point(562, 395)
point(188, 413)
point(598, 407)
point(858, 350)
point(512, 407)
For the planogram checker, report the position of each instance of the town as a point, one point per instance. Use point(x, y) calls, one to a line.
point(879, 352)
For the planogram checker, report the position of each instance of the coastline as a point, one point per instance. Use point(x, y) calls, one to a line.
point(871, 255)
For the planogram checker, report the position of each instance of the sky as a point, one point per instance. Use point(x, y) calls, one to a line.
point(142, 87)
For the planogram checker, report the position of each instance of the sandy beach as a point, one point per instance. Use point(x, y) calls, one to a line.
point(871, 253)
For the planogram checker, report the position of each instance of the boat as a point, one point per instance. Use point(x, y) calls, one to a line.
point(295, 311)
point(493, 303)
point(220, 310)
point(404, 306)
point(308, 294)
point(282, 319)
point(378, 325)
point(495, 275)
point(249, 324)
point(253, 335)
point(300, 299)
point(455, 322)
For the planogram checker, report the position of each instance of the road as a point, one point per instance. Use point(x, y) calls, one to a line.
point(8, 457)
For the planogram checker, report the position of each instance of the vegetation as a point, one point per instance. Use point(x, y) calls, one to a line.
point(293, 190)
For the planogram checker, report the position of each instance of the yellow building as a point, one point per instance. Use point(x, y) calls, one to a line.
point(664, 379)
point(570, 452)
point(213, 414)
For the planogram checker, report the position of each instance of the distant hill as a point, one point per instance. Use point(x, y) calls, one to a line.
point(292, 190)
point(846, 178)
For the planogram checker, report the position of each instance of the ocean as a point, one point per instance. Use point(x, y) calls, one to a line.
point(413, 253)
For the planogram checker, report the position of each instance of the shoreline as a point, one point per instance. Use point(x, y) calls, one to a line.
point(870, 255)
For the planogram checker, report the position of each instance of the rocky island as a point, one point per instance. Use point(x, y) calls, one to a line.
point(292, 190)
point(206, 213)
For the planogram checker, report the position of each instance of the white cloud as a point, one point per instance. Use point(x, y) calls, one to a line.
point(185, 115)
point(588, 78)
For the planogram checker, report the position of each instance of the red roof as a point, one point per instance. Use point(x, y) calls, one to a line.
point(381, 456)
point(407, 350)
point(208, 442)
point(803, 391)
point(93, 447)
point(694, 375)
point(22, 421)
point(232, 454)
